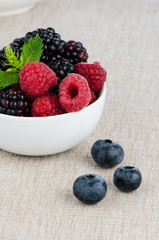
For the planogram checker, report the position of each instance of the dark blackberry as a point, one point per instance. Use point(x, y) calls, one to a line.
point(13, 102)
point(75, 52)
point(61, 66)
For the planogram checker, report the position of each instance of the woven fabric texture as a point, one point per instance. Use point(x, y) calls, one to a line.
point(36, 199)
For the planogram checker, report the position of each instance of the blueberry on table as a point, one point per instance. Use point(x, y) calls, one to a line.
point(127, 178)
point(89, 188)
point(107, 153)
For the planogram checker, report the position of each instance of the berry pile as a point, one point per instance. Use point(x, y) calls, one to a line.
point(36, 79)
point(52, 73)
point(59, 55)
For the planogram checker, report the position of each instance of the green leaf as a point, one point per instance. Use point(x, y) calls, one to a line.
point(12, 59)
point(8, 78)
point(12, 70)
point(32, 50)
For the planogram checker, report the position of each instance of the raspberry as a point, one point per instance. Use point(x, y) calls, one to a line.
point(36, 79)
point(93, 98)
point(94, 73)
point(46, 105)
point(74, 93)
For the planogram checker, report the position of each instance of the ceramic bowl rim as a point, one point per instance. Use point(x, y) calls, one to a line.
point(102, 93)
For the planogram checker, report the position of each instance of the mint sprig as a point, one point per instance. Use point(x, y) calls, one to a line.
point(8, 79)
point(11, 57)
point(31, 52)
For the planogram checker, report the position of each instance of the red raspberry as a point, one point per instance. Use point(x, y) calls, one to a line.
point(74, 93)
point(36, 78)
point(46, 105)
point(93, 98)
point(94, 73)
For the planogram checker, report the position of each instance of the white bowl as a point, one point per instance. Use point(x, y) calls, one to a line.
point(11, 7)
point(36, 136)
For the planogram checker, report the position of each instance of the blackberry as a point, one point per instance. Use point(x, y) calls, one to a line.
point(75, 52)
point(62, 67)
point(13, 102)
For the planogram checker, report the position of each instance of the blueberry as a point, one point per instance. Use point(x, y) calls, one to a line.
point(89, 188)
point(127, 179)
point(107, 153)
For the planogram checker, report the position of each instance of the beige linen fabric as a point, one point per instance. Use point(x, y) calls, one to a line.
point(36, 200)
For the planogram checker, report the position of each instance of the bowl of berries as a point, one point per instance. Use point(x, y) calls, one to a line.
point(50, 100)
point(10, 7)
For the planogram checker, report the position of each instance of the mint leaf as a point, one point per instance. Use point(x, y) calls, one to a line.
point(12, 70)
point(8, 78)
point(32, 50)
point(12, 59)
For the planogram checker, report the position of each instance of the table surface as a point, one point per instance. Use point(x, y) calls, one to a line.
point(36, 199)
